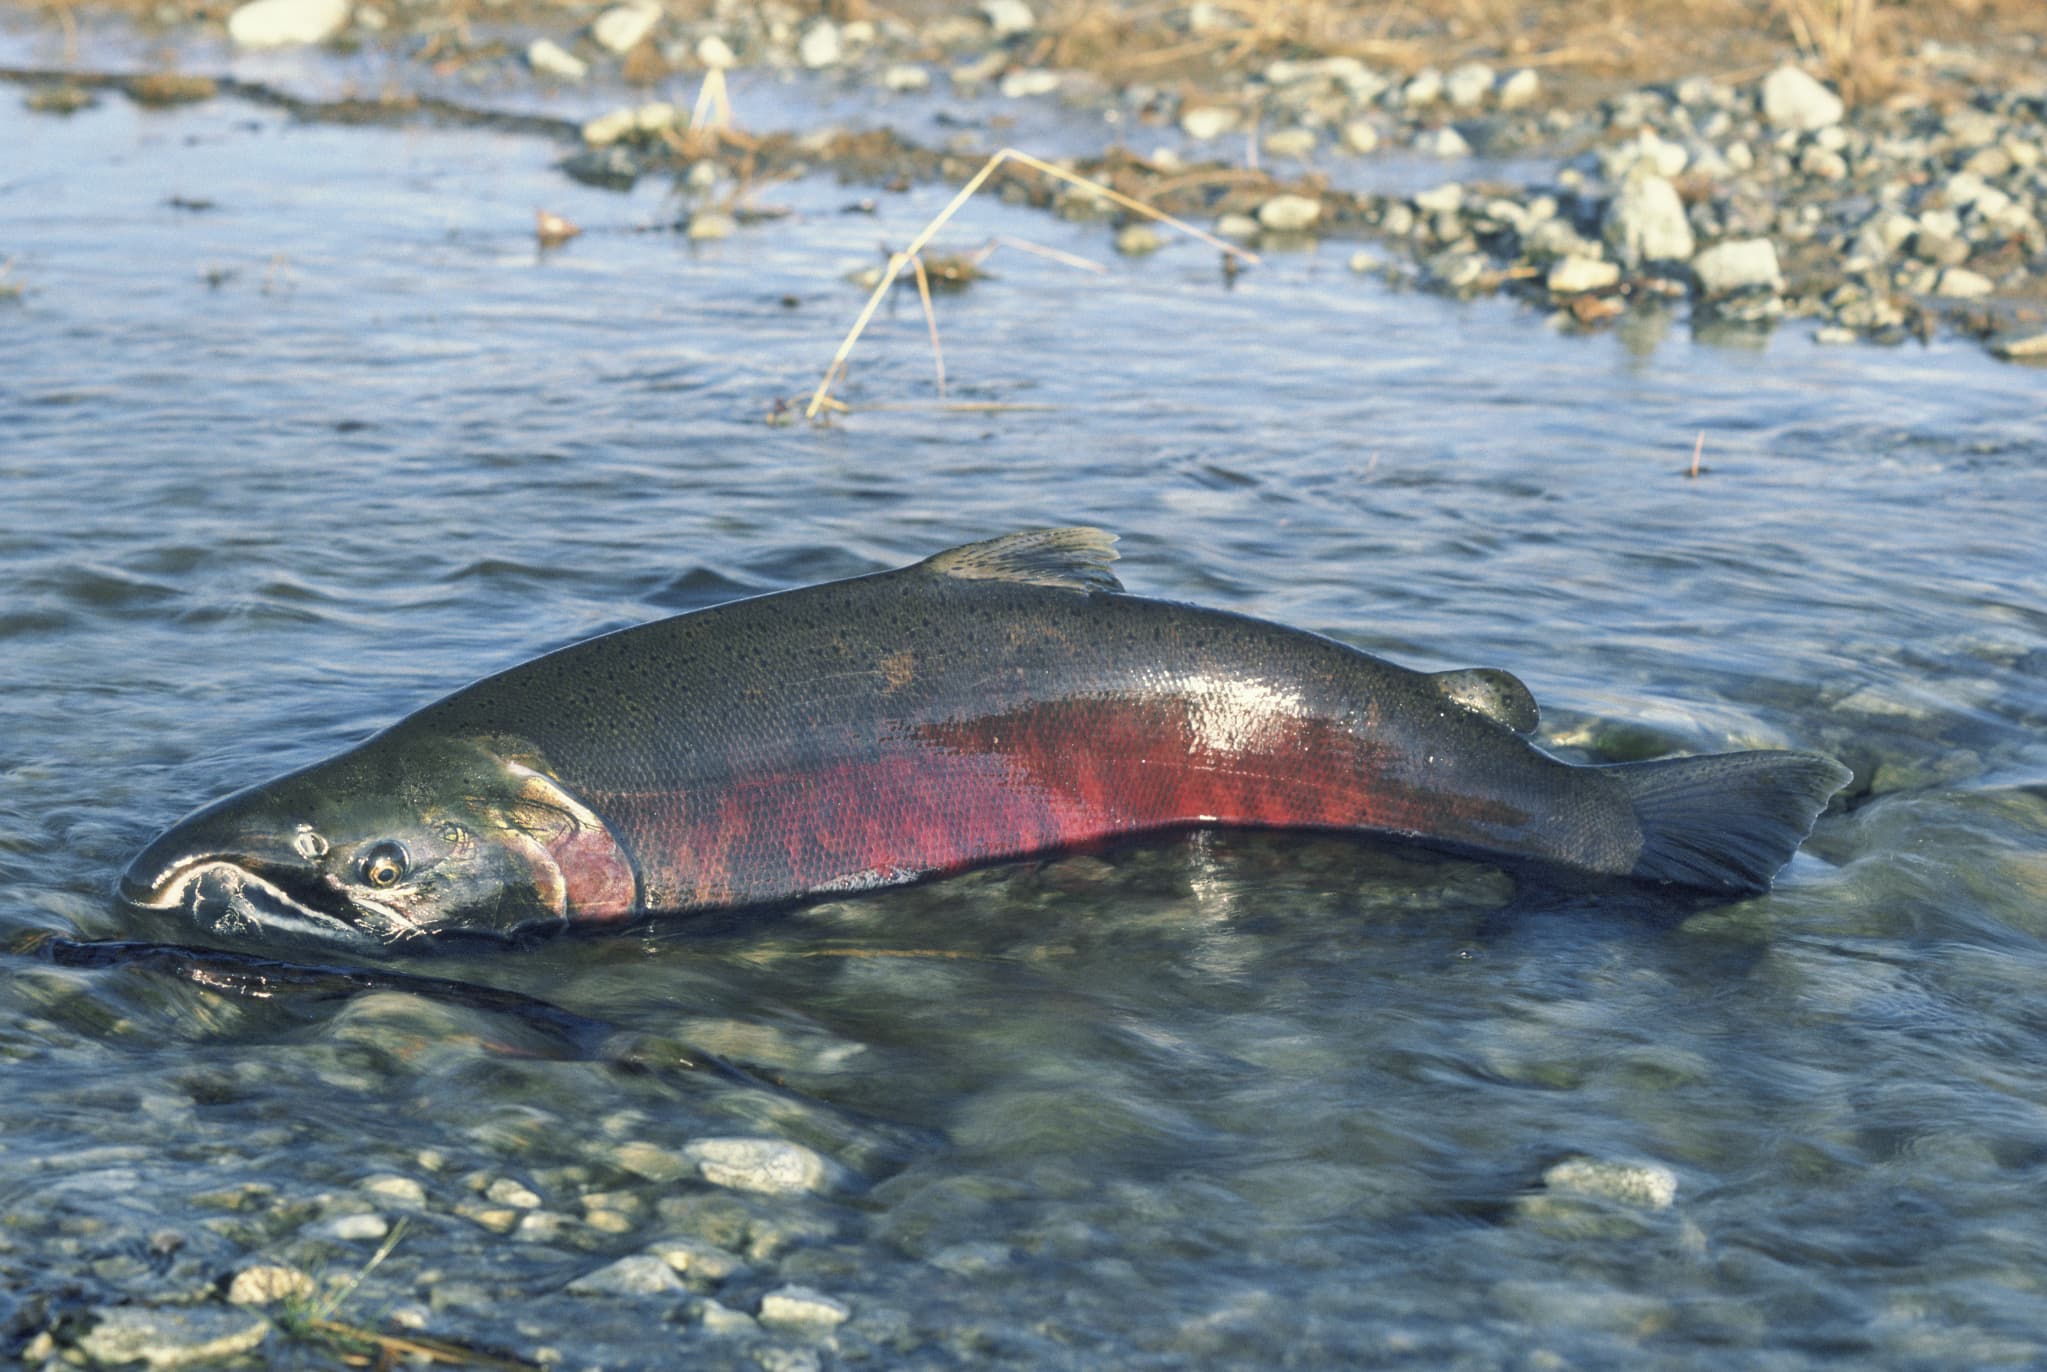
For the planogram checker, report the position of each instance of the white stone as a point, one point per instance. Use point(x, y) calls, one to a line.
point(1425, 87)
point(550, 58)
point(766, 1166)
point(1008, 17)
point(1290, 142)
point(1208, 121)
point(287, 23)
point(1959, 283)
point(1289, 213)
point(1468, 85)
point(1574, 275)
point(606, 129)
point(1793, 100)
point(642, 1274)
point(821, 46)
point(1029, 81)
point(620, 28)
point(1520, 90)
point(710, 225)
point(656, 115)
point(800, 1308)
point(1135, 240)
point(1360, 135)
point(1645, 221)
point(906, 76)
point(697, 1258)
point(1447, 198)
point(1442, 142)
point(1737, 265)
point(715, 52)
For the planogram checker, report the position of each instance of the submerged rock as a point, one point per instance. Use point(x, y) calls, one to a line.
point(802, 1309)
point(768, 1166)
point(642, 1274)
point(188, 1337)
point(550, 58)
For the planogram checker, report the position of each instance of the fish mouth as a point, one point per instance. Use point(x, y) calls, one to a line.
point(236, 898)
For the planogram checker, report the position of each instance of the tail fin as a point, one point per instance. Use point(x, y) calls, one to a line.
point(1727, 821)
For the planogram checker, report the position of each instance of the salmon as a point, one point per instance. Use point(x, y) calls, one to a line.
point(1000, 700)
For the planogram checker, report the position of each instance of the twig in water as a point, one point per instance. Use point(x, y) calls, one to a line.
point(903, 258)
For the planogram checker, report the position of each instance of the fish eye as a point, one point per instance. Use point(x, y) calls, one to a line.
point(384, 865)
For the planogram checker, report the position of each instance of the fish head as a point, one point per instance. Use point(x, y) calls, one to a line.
point(393, 845)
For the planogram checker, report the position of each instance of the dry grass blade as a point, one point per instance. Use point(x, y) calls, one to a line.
point(713, 109)
point(393, 1347)
point(1841, 36)
point(930, 321)
point(897, 261)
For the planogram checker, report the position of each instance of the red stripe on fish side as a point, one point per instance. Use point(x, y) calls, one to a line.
point(938, 797)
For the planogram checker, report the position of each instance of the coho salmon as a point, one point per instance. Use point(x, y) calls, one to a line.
point(995, 701)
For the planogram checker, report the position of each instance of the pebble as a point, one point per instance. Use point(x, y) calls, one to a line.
point(550, 58)
point(1645, 221)
point(821, 46)
point(1008, 18)
point(707, 226)
point(1360, 135)
point(286, 23)
point(620, 28)
point(1030, 81)
point(1468, 85)
point(1290, 142)
point(1443, 141)
point(2021, 346)
point(695, 1258)
point(167, 1338)
point(800, 1309)
point(1447, 198)
point(714, 52)
point(354, 1228)
point(1425, 87)
point(723, 1320)
point(1793, 100)
point(507, 1191)
point(638, 1275)
point(767, 1166)
point(651, 1161)
point(1959, 283)
point(606, 129)
point(1208, 121)
point(1289, 213)
point(400, 1191)
point(1574, 275)
point(268, 1283)
point(1738, 265)
point(1236, 226)
point(1135, 240)
point(1520, 90)
point(906, 76)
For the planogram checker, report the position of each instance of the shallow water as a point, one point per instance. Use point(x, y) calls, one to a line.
point(279, 470)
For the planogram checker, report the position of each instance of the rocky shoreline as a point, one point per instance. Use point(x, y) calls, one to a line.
point(1758, 201)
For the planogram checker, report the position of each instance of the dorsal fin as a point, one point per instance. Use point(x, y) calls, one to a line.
point(1074, 559)
point(1488, 691)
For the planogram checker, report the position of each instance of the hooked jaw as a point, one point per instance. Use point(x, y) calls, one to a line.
point(236, 878)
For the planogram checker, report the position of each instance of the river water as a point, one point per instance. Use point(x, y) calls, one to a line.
point(279, 469)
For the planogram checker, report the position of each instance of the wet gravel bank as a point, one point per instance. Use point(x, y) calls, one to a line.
point(1753, 204)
